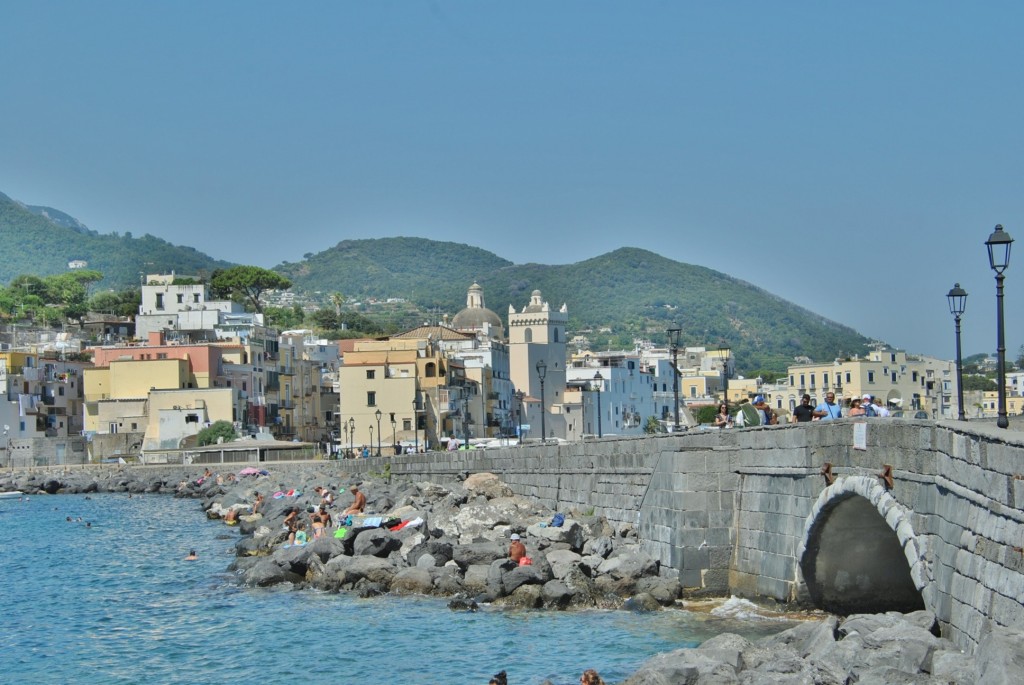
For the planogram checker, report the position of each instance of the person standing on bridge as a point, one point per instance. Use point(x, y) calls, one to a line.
point(804, 412)
point(829, 410)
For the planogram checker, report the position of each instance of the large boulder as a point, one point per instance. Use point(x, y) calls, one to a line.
point(266, 572)
point(561, 561)
point(477, 553)
point(569, 533)
point(350, 570)
point(475, 578)
point(523, 575)
point(486, 484)
point(412, 581)
point(556, 594)
point(684, 666)
point(377, 542)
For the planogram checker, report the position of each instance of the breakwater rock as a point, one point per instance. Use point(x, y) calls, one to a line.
point(887, 649)
point(447, 539)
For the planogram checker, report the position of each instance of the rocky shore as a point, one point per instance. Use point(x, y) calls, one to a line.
point(452, 539)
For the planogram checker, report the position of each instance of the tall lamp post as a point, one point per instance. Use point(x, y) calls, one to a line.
point(351, 436)
point(726, 352)
point(465, 417)
point(673, 341)
point(394, 434)
point(999, 258)
point(378, 415)
point(415, 426)
point(371, 438)
point(344, 427)
point(519, 398)
point(542, 372)
point(598, 383)
point(957, 304)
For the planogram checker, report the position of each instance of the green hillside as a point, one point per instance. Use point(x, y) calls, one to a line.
point(38, 245)
point(634, 292)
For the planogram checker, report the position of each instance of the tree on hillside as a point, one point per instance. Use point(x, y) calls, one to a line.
point(247, 283)
point(974, 382)
point(284, 318)
point(116, 303)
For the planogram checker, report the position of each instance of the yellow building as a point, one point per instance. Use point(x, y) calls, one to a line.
point(405, 379)
point(910, 384)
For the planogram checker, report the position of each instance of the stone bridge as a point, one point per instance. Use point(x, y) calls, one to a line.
point(909, 514)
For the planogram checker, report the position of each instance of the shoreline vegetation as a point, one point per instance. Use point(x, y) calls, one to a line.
point(453, 539)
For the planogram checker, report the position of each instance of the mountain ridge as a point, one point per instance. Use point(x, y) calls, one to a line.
point(633, 291)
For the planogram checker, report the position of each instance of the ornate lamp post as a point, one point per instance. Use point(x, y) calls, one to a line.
point(542, 372)
point(378, 415)
point(344, 426)
point(673, 341)
point(371, 437)
point(957, 304)
point(725, 372)
point(415, 426)
point(394, 433)
point(598, 383)
point(351, 436)
point(999, 258)
point(519, 398)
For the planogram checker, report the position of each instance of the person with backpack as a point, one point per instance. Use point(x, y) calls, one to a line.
point(868, 406)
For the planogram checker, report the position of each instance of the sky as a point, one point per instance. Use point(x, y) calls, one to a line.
point(849, 157)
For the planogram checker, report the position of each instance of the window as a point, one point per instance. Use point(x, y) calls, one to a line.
point(195, 298)
point(693, 391)
point(371, 399)
point(803, 380)
point(60, 391)
point(191, 418)
point(159, 300)
point(554, 333)
point(893, 376)
point(370, 374)
point(135, 426)
point(892, 358)
point(791, 381)
point(407, 424)
point(181, 298)
point(528, 335)
point(812, 380)
point(161, 355)
point(871, 376)
point(847, 376)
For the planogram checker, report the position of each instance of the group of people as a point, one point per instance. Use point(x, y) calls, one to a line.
point(320, 518)
point(827, 410)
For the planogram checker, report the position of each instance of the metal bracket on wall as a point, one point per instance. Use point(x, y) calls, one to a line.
point(826, 471)
point(886, 476)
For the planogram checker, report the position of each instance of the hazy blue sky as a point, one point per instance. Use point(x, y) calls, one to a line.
point(850, 157)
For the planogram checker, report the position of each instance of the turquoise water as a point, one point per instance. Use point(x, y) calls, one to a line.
point(117, 603)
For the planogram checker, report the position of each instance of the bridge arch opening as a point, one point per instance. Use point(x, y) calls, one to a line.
point(859, 553)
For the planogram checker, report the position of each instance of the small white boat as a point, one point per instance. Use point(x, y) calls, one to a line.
point(12, 494)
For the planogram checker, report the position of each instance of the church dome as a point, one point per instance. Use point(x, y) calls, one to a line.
point(475, 315)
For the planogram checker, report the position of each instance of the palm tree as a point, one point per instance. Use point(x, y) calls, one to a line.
point(337, 299)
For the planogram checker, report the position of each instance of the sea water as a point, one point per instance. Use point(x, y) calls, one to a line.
point(110, 599)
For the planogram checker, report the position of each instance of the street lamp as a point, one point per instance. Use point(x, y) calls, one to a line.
point(725, 372)
point(378, 415)
point(465, 416)
point(344, 427)
point(598, 382)
point(394, 434)
point(673, 341)
point(542, 371)
point(999, 258)
point(351, 436)
point(415, 426)
point(519, 398)
point(371, 438)
point(957, 304)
